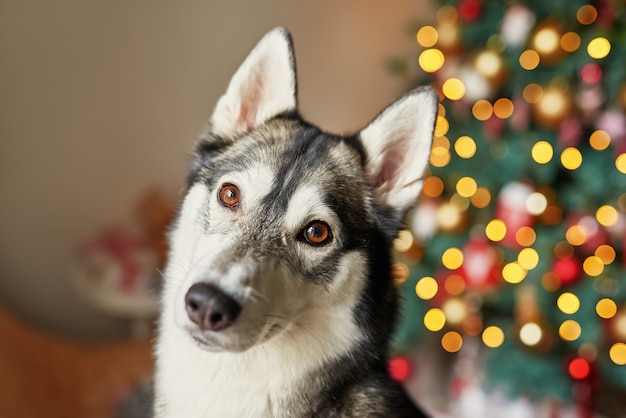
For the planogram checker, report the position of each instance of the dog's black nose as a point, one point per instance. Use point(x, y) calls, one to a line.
point(210, 308)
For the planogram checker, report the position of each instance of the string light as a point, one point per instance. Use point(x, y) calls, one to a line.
point(453, 89)
point(482, 110)
point(481, 198)
point(433, 186)
point(606, 253)
point(599, 140)
point(454, 284)
point(570, 330)
point(404, 241)
point(525, 236)
point(536, 203)
point(529, 59)
point(528, 258)
point(587, 14)
point(570, 41)
point(593, 266)
point(466, 186)
point(607, 215)
point(568, 303)
point(495, 230)
point(448, 216)
point(530, 334)
point(513, 273)
point(606, 308)
point(452, 258)
point(503, 108)
point(427, 36)
point(617, 352)
point(542, 152)
point(426, 288)
point(441, 127)
point(532, 93)
point(576, 235)
point(452, 341)
point(599, 48)
point(493, 337)
point(399, 273)
point(431, 60)
point(620, 163)
point(434, 320)
point(465, 147)
point(571, 158)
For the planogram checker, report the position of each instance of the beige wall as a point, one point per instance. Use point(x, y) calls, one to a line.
point(101, 99)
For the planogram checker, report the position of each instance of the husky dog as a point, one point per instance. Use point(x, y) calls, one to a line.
point(278, 299)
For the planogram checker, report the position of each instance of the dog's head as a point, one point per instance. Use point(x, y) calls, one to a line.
point(285, 229)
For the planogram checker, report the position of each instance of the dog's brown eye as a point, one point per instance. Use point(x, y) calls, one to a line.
point(317, 233)
point(229, 195)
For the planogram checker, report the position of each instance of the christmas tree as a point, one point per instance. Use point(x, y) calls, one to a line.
point(519, 239)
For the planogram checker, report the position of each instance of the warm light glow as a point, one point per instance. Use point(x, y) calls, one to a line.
point(453, 89)
point(482, 110)
point(495, 230)
point(532, 93)
point(593, 266)
point(568, 303)
point(570, 330)
point(620, 163)
point(553, 103)
point(571, 158)
point(454, 284)
point(433, 186)
point(587, 14)
point(441, 127)
point(488, 63)
point(528, 258)
point(427, 36)
point(513, 273)
point(536, 203)
point(430, 60)
point(607, 215)
point(462, 203)
point(452, 258)
point(452, 341)
point(465, 147)
point(455, 310)
point(466, 186)
point(404, 241)
point(617, 352)
point(426, 288)
point(546, 40)
point(550, 281)
point(579, 368)
point(530, 334)
point(434, 320)
point(525, 236)
point(448, 216)
point(529, 59)
point(447, 15)
point(606, 253)
point(576, 235)
point(493, 337)
point(439, 157)
point(542, 152)
point(503, 108)
point(399, 272)
point(481, 198)
point(570, 41)
point(563, 250)
point(606, 308)
point(600, 140)
point(599, 48)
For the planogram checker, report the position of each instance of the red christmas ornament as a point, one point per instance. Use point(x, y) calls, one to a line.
point(480, 265)
point(511, 209)
point(469, 10)
point(400, 368)
point(568, 270)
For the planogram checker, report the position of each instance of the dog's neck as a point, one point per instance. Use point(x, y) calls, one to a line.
point(269, 379)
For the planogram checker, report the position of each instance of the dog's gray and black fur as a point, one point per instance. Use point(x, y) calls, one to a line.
point(278, 299)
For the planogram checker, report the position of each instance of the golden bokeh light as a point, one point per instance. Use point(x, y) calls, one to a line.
point(462, 203)
point(404, 241)
point(513, 273)
point(530, 334)
point(607, 215)
point(546, 40)
point(439, 157)
point(441, 142)
point(576, 235)
point(587, 14)
point(434, 319)
point(620, 163)
point(427, 36)
point(529, 59)
point(465, 147)
point(606, 308)
point(568, 303)
point(453, 89)
point(495, 230)
point(532, 93)
point(454, 284)
point(448, 216)
point(536, 203)
point(503, 108)
point(431, 60)
point(617, 352)
point(528, 258)
point(525, 236)
point(426, 288)
point(452, 258)
point(452, 341)
point(447, 15)
point(542, 152)
point(599, 140)
point(493, 336)
point(399, 273)
point(570, 330)
point(433, 186)
point(598, 48)
point(593, 266)
point(481, 198)
point(466, 186)
point(489, 64)
point(606, 253)
point(482, 110)
point(571, 158)
point(441, 128)
point(570, 41)
point(455, 310)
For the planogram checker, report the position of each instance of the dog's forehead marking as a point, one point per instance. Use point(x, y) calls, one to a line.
point(306, 204)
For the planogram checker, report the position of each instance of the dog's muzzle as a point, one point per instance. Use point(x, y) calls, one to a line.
point(210, 308)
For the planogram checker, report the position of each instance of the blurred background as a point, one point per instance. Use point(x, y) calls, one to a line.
point(512, 267)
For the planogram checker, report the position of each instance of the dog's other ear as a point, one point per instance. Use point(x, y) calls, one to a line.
point(264, 86)
point(397, 144)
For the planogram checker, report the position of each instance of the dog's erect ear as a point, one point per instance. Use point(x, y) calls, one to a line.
point(263, 86)
point(398, 144)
